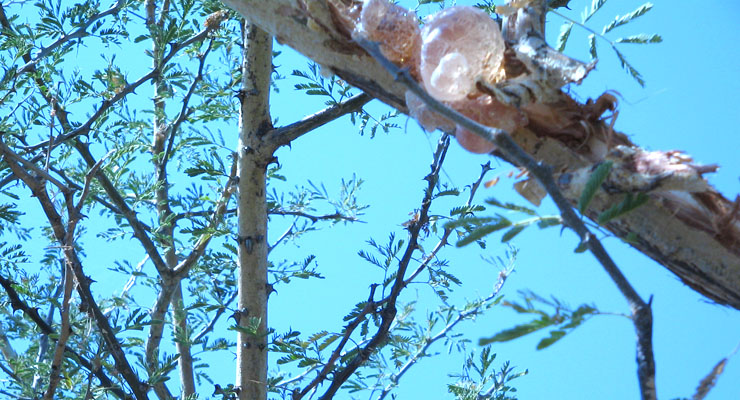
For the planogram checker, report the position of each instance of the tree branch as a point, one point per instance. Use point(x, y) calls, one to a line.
point(485, 168)
point(83, 283)
point(641, 311)
point(58, 358)
point(140, 230)
point(388, 312)
point(212, 323)
point(253, 156)
point(565, 133)
point(106, 104)
point(185, 111)
point(428, 342)
point(286, 134)
point(18, 304)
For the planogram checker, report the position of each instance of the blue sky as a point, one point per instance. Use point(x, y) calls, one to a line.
point(689, 103)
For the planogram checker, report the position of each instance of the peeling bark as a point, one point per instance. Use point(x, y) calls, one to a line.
point(693, 231)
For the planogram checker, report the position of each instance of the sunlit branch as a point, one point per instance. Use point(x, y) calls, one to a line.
point(132, 279)
point(6, 348)
point(157, 316)
point(217, 217)
point(282, 237)
point(286, 134)
point(297, 378)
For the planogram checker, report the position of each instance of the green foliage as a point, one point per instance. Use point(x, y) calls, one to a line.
point(588, 13)
point(598, 176)
point(337, 90)
point(474, 229)
point(561, 320)
point(479, 380)
point(629, 203)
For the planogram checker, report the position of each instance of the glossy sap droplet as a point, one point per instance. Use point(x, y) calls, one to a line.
point(472, 142)
point(471, 34)
point(428, 119)
point(452, 75)
point(394, 28)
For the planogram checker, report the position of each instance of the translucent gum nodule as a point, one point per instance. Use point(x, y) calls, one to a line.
point(459, 44)
point(395, 28)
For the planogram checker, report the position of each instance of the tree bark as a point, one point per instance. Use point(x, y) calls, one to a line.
point(253, 158)
point(685, 225)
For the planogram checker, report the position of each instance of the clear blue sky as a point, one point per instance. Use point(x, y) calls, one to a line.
point(689, 103)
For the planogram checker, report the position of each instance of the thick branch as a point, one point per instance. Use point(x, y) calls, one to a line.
point(286, 134)
point(17, 304)
point(705, 253)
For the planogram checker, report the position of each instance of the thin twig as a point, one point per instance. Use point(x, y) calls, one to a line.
point(428, 342)
point(388, 311)
point(79, 33)
point(641, 311)
point(18, 304)
point(282, 237)
point(88, 180)
point(83, 283)
point(105, 105)
point(443, 240)
point(185, 110)
point(216, 317)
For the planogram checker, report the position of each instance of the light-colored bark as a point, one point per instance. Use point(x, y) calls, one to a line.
point(253, 158)
point(688, 227)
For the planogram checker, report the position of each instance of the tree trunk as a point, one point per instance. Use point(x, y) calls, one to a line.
point(253, 158)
